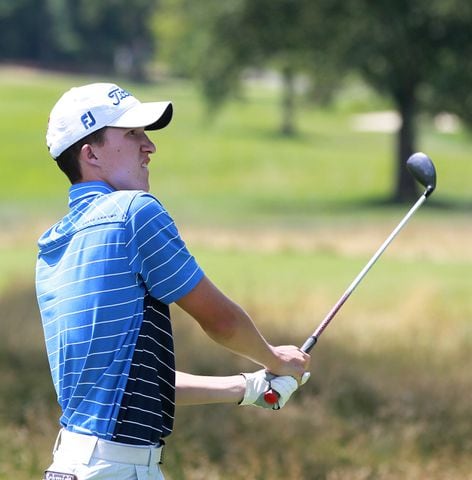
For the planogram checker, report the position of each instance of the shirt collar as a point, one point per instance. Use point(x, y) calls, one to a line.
point(80, 191)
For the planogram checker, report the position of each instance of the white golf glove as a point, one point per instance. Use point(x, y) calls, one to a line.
point(258, 383)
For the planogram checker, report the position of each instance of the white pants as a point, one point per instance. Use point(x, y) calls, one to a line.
point(89, 457)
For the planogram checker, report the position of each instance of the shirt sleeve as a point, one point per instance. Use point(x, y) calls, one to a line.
point(157, 252)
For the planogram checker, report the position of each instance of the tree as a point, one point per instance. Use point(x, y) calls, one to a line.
point(222, 38)
point(410, 50)
point(79, 34)
point(414, 51)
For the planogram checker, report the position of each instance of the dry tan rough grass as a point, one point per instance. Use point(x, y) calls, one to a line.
point(436, 241)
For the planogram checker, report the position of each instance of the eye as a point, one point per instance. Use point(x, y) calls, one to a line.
point(132, 132)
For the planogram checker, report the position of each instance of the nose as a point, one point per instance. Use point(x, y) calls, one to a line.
point(148, 146)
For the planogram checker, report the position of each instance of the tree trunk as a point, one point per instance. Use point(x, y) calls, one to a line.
point(288, 101)
point(405, 186)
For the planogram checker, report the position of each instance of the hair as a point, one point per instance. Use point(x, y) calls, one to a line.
point(68, 160)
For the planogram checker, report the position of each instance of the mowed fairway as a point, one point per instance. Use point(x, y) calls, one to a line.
point(283, 226)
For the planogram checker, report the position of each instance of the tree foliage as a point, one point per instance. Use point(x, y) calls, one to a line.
point(416, 52)
point(413, 52)
point(79, 34)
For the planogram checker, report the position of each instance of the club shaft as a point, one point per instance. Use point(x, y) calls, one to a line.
point(311, 341)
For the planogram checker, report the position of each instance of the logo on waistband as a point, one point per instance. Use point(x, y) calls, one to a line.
point(48, 475)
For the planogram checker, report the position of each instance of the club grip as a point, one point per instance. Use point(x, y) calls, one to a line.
point(310, 342)
point(271, 396)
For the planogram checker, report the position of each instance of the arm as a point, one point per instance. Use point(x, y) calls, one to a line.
point(229, 325)
point(243, 389)
point(199, 389)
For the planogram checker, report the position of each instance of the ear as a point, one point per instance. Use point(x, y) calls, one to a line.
point(87, 156)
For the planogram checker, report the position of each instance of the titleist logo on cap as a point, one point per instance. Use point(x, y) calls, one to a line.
point(117, 94)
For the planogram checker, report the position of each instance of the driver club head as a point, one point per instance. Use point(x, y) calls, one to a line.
point(422, 168)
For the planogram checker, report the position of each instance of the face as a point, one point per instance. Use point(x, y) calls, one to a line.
point(124, 157)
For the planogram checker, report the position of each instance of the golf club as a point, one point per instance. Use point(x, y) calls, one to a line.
point(422, 169)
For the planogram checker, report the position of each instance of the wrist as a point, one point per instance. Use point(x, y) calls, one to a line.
point(273, 363)
point(236, 388)
point(243, 379)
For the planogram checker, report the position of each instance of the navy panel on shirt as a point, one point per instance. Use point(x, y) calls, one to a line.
point(147, 409)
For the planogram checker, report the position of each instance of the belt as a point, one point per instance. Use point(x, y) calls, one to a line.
point(81, 448)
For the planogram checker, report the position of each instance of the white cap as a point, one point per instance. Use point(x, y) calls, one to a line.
point(84, 110)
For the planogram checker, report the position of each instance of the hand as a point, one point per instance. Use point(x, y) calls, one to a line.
point(272, 396)
point(258, 383)
point(289, 360)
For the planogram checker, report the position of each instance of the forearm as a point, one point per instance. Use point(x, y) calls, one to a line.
point(228, 324)
point(199, 389)
point(237, 332)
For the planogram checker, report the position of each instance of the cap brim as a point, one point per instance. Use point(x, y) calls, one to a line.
point(150, 115)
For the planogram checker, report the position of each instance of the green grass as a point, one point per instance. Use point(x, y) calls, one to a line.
point(283, 226)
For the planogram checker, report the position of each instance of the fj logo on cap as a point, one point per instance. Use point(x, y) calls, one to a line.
point(88, 120)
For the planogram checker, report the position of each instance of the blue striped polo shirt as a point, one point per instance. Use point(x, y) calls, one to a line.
point(105, 276)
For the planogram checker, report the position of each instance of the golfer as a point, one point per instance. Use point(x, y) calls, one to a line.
point(106, 275)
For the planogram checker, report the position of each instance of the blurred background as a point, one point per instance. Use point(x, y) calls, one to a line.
point(284, 170)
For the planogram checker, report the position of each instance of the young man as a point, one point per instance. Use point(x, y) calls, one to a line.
point(106, 274)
